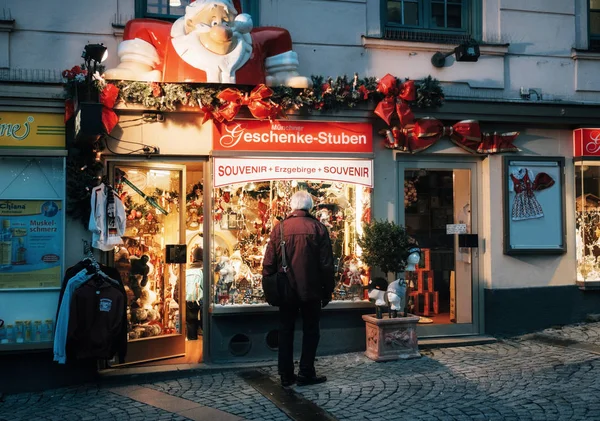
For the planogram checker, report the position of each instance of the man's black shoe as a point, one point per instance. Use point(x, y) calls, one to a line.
point(287, 381)
point(308, 380)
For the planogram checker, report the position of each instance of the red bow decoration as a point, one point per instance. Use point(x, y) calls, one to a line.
point(108, 98)
point(396, 98)
point(257, 102)
point(465, 134)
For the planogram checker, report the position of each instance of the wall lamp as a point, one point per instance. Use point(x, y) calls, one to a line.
point(467, 51)
point(95, 52)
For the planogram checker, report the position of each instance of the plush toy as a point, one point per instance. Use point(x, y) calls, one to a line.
point(122, 255)
point(139, 266)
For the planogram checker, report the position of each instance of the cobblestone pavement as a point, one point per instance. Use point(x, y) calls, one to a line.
point(514, 379)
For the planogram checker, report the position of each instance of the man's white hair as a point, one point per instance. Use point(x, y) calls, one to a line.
point(301, 200)
point(200, 5)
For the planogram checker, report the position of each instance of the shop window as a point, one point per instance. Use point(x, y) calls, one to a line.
point(594, 24)
point(587, 223)
point(451, 21)
point(31, 222)
point(244, 215)
point(173, 9)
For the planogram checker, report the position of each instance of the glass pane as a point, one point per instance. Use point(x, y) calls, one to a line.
point(587, 210)
point(595, 23)
point(167, 7)
point(151, 199)
point(411, 13)
point(454, 16)
point(244, 216)
point(441, 288)
point(438, 14)
point(594, 4)
point(394, 12)
point(403, 12)
point(26, 178)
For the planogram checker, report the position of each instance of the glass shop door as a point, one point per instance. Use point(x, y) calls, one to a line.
point(151, 195)
point(440, 212)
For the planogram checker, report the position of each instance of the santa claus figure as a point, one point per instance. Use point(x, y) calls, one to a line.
point(211, 43)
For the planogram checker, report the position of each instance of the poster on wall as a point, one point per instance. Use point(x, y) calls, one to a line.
point(534, 206)
point(31, 238)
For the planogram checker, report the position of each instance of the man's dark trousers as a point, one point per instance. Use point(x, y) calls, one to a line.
point(311, 314)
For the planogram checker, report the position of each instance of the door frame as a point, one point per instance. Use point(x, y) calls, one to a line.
point(447, 162)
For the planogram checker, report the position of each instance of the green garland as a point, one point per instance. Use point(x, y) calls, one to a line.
point(326, 94)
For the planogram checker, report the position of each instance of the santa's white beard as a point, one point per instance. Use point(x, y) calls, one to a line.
point(219, 68)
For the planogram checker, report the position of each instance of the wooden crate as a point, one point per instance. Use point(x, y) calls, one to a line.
point(425, 281)
point(425, 262)
point(431, 303)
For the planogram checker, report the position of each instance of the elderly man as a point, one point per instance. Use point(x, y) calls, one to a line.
point(311, 276)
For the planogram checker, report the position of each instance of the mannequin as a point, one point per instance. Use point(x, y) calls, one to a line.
point(377, 288)
point(414, 256)
point(396, 296)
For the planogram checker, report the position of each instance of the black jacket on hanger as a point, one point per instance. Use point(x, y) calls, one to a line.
point(120, 340)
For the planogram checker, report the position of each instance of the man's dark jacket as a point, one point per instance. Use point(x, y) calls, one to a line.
point(309, 256)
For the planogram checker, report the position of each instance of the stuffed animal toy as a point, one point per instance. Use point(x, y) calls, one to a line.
point(139, 266)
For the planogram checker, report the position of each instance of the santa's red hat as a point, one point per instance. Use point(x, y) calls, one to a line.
point(236, 3)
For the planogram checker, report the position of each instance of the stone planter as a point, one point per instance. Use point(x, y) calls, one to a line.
point(391, 339)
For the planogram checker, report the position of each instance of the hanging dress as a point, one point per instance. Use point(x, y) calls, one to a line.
point(526, 205)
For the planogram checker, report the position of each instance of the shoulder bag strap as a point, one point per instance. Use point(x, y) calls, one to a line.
point(284, 265)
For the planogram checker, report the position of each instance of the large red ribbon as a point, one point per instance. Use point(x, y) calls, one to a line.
point(108, 98)
point(257, 101)
point(465, 134)
point(395, 98)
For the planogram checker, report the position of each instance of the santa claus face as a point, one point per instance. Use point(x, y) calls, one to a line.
point(214, 27)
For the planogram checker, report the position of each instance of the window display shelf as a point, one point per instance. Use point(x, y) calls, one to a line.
point(26, 346)
point(218, 310)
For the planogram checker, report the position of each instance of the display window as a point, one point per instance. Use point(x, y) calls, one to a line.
point(245, 212)
point(587, 221)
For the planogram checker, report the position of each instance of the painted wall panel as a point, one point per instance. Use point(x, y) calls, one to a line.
point(320, 22)
point(543, 6)
point(586, 75)
point(532, 33)
point(488, 72)
point(553, 75)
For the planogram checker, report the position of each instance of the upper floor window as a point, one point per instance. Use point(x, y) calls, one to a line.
point(432, 20)
point(594, 24)
point(173, 9)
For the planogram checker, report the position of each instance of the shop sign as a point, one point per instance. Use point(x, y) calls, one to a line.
point(238, 170)
point(31, 233)
point(294, 136)
point(32, 130)
point(586, 142)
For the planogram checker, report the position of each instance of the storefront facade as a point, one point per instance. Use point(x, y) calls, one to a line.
point(493, 262)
